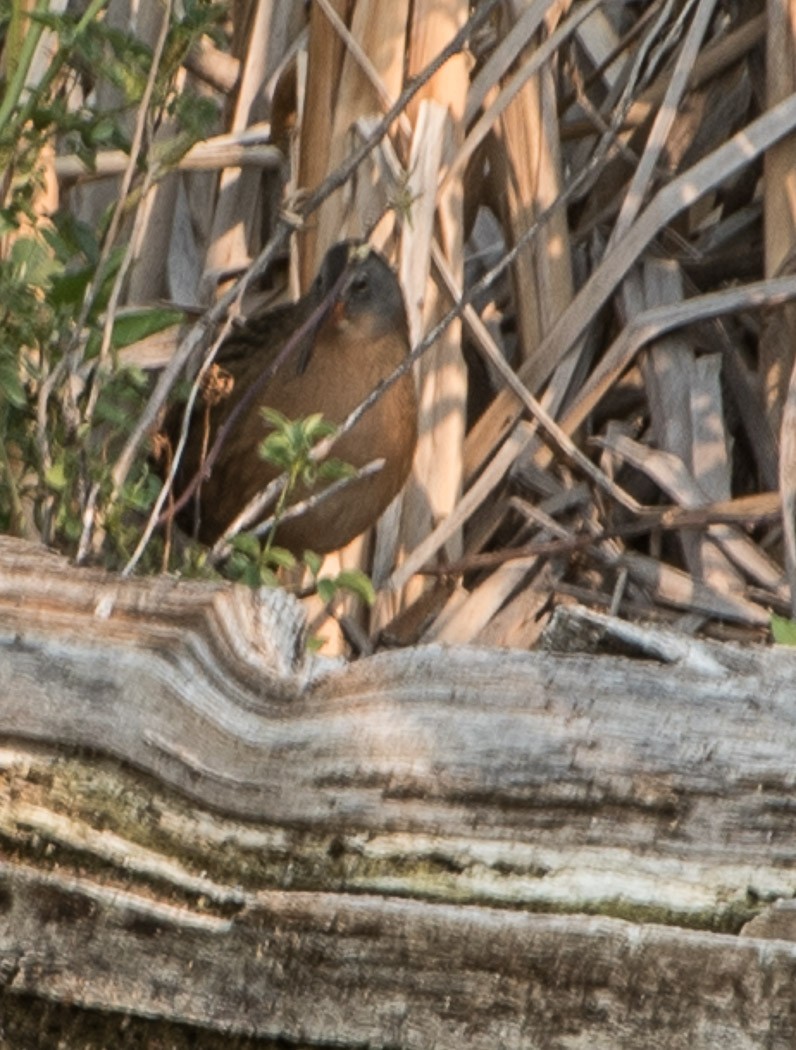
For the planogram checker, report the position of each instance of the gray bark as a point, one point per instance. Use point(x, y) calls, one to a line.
point(207, 826)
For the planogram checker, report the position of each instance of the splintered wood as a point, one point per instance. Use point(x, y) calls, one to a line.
point(603, 194)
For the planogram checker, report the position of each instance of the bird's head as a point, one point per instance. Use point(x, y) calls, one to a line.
point(369, 294)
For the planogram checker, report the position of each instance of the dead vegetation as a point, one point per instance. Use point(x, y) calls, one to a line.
point(589, 206)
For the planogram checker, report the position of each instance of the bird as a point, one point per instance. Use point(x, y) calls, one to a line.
point(361, 338)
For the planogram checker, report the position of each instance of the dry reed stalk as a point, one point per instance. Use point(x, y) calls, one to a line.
point(234, 236)
point(714, 59)
point(325, 53)
point(530, 167)
point(662, 125)
point(710, 454)
point(91, 202)
point(221, 151)
point(674, 478)
point(787, 486)
point(644, 328)
point(408, 521)
point(670, 368)
point(673, 198)
point(599, 39)
point(779, 201)
point(339, 93)
point(46, 192)
point(484, 89)
point(657, 321)
point(673, 587)
point(780, 193)
point(367, 79)
point(442, 378)
point(476, 616)
point(631, 69)
point(379, 31)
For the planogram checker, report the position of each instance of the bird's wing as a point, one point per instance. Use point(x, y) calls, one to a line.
point(254, 342)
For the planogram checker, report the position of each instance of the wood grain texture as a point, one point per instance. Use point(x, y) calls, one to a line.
point(375, 972)
point(204, 687)
point(254, 840)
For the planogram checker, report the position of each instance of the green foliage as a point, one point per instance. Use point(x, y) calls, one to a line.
point(257, 564)
point(783, 631)
point(131, 326)
point(350, 581)
point(289, 448)
point(353, 581)
point(65, 409)
point(68, 400)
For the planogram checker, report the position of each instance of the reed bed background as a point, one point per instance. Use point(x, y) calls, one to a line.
point(596, 198)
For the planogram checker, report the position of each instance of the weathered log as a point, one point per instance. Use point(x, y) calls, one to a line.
point(192, 803)
point(343, 970)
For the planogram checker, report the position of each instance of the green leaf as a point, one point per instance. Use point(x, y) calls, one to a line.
point(313, 561)
point(295, 434)
point(783, 630)
point(141, 494)
point(55, 476)
point(306, 473)
point(275, 418)
point(326, 589)
point(334, 469)
point(130, 327)
point(280, 557)
point(32, 261)
point(70, 525)
point(352, 580)
point(276, 449)
point(102, 131)
point(237, 566)
point(72, 239)
point(114, 412)
point(314, 428)
point(7, 221)
point(252, 576)
point(196, 116)
point(11, 388)
point(69, 288)
point(356, 582)
point(247, 544)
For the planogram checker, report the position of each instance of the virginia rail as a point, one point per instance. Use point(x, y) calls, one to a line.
point(361, 338)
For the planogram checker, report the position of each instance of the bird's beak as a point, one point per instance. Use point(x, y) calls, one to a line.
point(337, 313)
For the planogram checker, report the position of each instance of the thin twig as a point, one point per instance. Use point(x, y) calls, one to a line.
point(255, 507)
point(155, 515)
point(142, 117)
point(750, 510)
point(341, 175)
point(636, 191)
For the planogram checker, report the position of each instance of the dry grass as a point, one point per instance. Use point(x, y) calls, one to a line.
point(609, 186)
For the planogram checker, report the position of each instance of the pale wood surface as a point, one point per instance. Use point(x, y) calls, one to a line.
point(438, 975)
point(358, 854)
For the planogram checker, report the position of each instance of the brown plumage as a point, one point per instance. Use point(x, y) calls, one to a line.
point(360, 340)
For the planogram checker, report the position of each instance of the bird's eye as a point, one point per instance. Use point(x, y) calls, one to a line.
point(359, 283)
